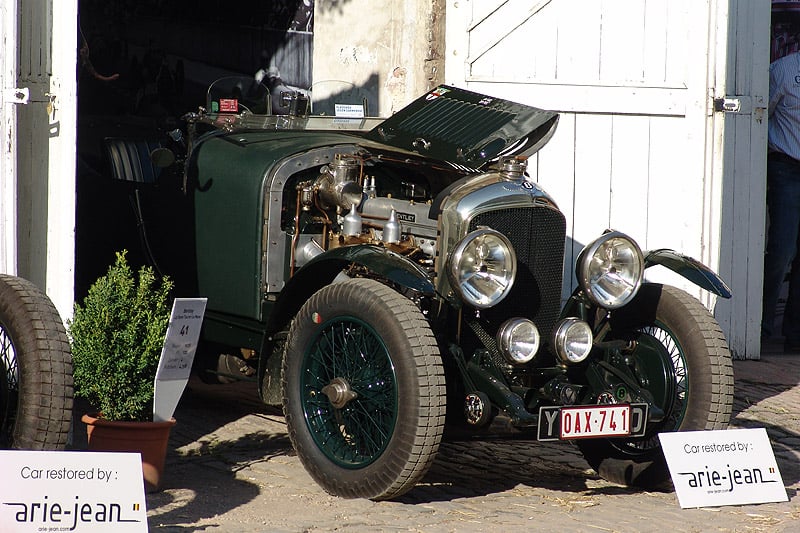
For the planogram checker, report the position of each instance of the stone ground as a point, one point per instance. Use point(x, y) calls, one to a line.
point(231, 467)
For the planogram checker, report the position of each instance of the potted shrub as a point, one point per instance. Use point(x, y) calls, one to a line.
point(116, 336)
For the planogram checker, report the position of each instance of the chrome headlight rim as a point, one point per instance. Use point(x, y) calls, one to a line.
point(470, 293)
point(510, 341)
point(589, 277)
point(572, 334)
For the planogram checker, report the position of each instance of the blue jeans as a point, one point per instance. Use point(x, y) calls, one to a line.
point(783, 205)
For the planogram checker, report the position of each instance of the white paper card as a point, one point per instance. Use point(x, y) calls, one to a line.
point(726, 467)
point(82, 492)
point(177, 355)
point(180, 342)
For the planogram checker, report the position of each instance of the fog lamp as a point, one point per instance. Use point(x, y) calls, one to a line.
point(518, 340)
point(573, 340)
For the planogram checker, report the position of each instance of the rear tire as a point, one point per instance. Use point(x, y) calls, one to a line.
point(683, 354)
point(36, 367)
point(363, 390)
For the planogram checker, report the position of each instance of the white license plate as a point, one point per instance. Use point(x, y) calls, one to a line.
point(595, 421)
point(557, 423)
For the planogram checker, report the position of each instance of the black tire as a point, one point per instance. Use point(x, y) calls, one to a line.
point(683, 352)
point(362, 337)
point(36, 366)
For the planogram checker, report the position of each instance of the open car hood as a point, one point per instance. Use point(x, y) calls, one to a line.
point(466, 129)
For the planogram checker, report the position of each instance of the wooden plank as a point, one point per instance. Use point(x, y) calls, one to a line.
point(531, 38)
point(8, 130)
point(743, 181)
point(62, 157)
point(578, 43)
point(674, 200)
point(630, 156)
point(654, 42)
point(573, 98)
point(490, 27)
point(622, 36)
point(592, 176)
point(480, 11)
point(555, 173)
point(456, 42)
point(686, 25)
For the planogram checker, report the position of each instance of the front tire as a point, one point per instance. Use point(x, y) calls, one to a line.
point(35, 369)
point(682, 354)
point(363, 390)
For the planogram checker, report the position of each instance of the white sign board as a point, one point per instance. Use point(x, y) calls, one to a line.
point(71, 491)
point(727, 467)
point(177, 355)
point(349, 110)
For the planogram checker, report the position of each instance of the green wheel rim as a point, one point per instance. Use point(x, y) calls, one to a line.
point(662, 361)
point(348, 390)
point(669, 382)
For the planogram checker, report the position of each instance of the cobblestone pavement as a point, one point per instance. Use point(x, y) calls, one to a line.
point(231, 468)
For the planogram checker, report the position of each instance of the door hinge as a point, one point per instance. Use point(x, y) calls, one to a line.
point(17, 95)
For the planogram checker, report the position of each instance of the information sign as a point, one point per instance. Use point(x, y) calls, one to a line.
point(726, 467)
point(81, 492)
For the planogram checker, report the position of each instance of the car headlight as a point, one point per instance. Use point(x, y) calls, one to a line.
point(610, 270)
point(573, 340)
point(482, 268)
point(518, 340)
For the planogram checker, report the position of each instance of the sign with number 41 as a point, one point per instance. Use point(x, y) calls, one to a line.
point(177, 355)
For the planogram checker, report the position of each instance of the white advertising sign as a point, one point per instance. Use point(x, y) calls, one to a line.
point(82, 492)
point(727, 467)
point(177, 355)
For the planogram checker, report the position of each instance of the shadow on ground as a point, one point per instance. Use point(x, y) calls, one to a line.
point(209, 447)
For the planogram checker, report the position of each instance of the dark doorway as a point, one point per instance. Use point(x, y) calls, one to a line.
point(144, 64)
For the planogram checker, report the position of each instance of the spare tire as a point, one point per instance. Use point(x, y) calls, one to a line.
point(35, 369)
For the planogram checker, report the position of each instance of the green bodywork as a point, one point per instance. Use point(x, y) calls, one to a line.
point(233, 176)
point(229, 212)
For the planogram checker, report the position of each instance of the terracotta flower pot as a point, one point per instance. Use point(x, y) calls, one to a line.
point(148, 438)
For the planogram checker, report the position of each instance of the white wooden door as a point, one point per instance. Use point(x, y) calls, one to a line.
point(8, 127)
point(38, 175)
point(740, 166)
point(639, 147)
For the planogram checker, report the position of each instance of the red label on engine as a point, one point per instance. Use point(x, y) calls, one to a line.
point(228, 105)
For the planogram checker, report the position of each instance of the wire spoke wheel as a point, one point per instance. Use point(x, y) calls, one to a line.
point(683, 361)
point(663, 364)
point(363, 390)
point(9, 388)
point(349, 393)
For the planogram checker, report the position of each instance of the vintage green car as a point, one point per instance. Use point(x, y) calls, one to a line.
point(382, 279)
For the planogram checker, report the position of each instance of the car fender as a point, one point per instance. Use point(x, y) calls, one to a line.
point(323, 270)
point(689, 268)
point(686, 266)
point(378, 259)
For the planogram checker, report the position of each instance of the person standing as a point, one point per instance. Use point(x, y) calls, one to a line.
point(783, 199)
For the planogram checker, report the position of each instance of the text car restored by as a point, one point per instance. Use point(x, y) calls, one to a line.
point(383, 278)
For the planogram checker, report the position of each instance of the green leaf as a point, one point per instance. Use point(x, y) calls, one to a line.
point(116, 335)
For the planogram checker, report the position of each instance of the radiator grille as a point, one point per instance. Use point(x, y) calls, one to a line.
point(537, 234)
